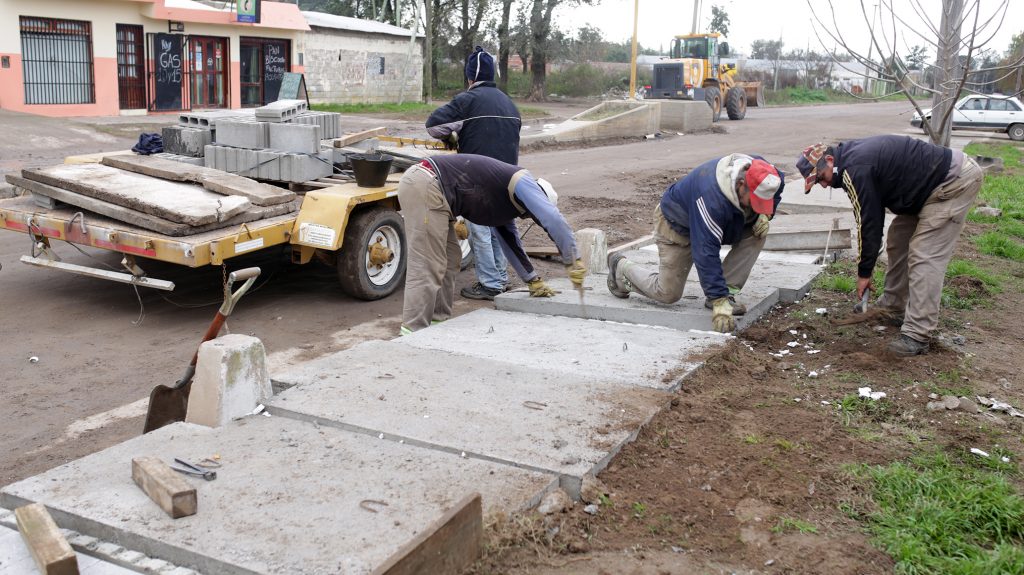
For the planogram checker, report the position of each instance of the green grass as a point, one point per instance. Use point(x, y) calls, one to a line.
point(963, 268)
point(1010, 153)
point(835, 282)
point(958, 267)
point(790, 525)
point(853, 406)
point(998, 244)
point(802, 96)
point(406, 108)
point(1001, 191)
point(937, 515)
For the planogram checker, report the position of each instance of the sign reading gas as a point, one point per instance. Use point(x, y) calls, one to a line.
point(248, 11)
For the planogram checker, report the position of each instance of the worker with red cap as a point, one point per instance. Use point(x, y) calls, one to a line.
point(725, 201)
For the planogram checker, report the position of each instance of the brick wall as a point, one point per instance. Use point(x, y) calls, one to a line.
point(356, 67)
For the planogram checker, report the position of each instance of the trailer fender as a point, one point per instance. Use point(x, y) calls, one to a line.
point(325, 213)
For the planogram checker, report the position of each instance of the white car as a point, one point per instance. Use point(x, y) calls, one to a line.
point(984, 113)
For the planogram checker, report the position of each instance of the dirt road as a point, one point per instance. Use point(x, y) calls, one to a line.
point(100, 349)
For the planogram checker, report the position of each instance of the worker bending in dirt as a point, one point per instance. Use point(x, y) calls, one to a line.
point(727, 200)
point(930, 189)
point(483, 190)
point(484, 121)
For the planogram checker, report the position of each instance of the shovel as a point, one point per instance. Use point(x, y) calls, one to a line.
point(169, 403)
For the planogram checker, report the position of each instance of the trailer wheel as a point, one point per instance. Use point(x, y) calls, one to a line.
point(736, 103)
point(467, 252)
point(371, 261)
point(713, 96)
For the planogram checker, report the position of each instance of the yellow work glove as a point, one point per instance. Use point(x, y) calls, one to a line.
point(761, 226)
point(461, 230)
point(451, 142)
point(576, 273)
point(721, 315)
point(540, 289)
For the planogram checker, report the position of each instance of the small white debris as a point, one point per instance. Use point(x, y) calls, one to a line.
point(814, 351)
point(1004, 459)
point(33, 359)
point(793, 343)
point(821, 311)
point(826, 402)
point(812, 375)
point(977, 451)
point(796, 399)
point(793, 332)
point(592, 510)
point(259, 409)
point(769, 563)
point(463, 454)
point(381, 436)
point(783, 352)
point(866, 392)
point(426, 417)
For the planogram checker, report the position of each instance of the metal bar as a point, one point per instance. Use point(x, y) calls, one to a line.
point(98, 273)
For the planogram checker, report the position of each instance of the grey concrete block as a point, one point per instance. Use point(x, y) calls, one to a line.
point(645, 355)
point(240, 134)
point(231, 379)
point(186, 141)
point(524, 416)
point(281, 110)
point(776, 277)
point(310, 480)
point(685, 115)
point(298, 138)
point(193, 161)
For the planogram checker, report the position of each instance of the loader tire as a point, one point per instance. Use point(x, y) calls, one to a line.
point(736, 103)
point(713, 96)
point(370, 236)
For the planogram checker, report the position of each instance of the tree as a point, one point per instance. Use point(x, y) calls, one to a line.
point(719, 20)
point(958, 39)
point(916, 57)
point(766, 49)
point(540, 45)
point(504, 44)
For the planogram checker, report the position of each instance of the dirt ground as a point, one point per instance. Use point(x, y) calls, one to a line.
point(712, 476)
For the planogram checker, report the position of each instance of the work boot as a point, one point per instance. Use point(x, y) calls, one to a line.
point(479, 291)
point(737, 308)
point(613, 283)
point(906, 346)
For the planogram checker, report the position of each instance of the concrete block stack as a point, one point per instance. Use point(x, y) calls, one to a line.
point(275, 165)
point(329, 122)
point(281, 110)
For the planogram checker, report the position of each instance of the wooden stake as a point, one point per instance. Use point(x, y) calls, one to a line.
point(52, 553)
point(165, 487)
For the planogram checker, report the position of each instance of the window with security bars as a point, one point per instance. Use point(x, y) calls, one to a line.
point(56, 58)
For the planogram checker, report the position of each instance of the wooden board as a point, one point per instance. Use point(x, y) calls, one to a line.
point(165, 487)
point(448, 547)
point(52, 553)
point(143, 220)
point(178, 202)
point(349, 139)
point(217, 181)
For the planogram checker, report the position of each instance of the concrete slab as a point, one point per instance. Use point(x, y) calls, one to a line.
point(290, 497)
point(818, 200)
point(786, 278)
point(527, 417)
point(609, 119)
point(644, 355)
point(685, 116)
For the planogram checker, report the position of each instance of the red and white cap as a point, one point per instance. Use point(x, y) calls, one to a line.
point(763, 181)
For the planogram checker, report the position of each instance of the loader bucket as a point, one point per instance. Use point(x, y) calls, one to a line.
point(755, 93)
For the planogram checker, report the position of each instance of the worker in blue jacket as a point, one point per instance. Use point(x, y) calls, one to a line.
point(725, 201)
point(483, 120)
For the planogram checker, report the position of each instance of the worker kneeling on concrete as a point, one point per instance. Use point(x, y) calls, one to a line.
point(727, 200)
point(484, 191)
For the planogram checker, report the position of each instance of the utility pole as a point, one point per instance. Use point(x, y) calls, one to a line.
point(696, 16)
point(632, 68)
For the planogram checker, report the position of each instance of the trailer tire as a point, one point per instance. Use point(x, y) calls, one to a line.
point(359, 276)
point(736, 103)
point(713, 96)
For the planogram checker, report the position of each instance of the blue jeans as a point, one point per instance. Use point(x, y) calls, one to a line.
point(491, 265)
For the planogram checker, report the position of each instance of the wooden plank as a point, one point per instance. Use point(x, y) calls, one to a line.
point(175, 201)
point(217, 181)
point(353, 137)
point(449, 546)
point(52, 553)
point(542, 251)
point(165, 487)
point(633, 245)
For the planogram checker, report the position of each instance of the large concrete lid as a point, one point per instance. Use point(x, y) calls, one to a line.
point(644, 355)
point(286, 500)
point(530, 417)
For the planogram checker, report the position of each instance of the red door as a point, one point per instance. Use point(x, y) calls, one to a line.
point(208, 63)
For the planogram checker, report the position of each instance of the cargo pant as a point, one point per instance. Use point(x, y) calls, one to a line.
point(919, 248)
point(666, 284)
point(434, 253)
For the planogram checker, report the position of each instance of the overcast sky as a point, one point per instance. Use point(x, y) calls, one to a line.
point(789, 20)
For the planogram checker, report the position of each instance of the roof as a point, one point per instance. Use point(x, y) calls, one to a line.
point(322, 20)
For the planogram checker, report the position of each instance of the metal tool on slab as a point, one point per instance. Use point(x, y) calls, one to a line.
point(189, 469)
point(168, 404)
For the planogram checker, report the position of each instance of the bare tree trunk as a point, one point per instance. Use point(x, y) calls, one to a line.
point(540, 28)
point(503, 44)
point(947, 70)
point(1020, 72)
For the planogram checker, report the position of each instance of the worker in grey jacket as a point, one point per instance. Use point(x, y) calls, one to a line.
point(930, 189)
point(483, 190)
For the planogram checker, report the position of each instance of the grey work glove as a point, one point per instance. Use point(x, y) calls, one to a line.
point(721, 315)
point(761, 226)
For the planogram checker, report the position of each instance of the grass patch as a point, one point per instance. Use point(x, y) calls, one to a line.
point(791, 525)
point(836, 282)
point(853, 407)
point(1010, 153)
point(998, 244)
point(935, 515)
point(384, 108)
point(1003, 192)
point(964, 268)
point(967, 286)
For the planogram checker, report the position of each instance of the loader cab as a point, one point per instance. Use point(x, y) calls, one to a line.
point(700, 47)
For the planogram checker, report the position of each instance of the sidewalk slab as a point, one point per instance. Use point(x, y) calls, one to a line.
point(776, 277)
point(529, 417)
point(643, 355)
point(290, 497)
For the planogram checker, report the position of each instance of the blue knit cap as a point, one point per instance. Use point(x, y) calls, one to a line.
point(480, 66)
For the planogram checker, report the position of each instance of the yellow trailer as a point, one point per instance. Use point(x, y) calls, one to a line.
point(358, 229)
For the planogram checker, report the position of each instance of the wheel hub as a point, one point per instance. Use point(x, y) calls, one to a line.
point(379, 254)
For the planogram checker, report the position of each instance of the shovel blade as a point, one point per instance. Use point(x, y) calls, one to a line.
point(167, 405)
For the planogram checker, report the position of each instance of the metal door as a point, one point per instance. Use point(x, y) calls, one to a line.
point(208, 59)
